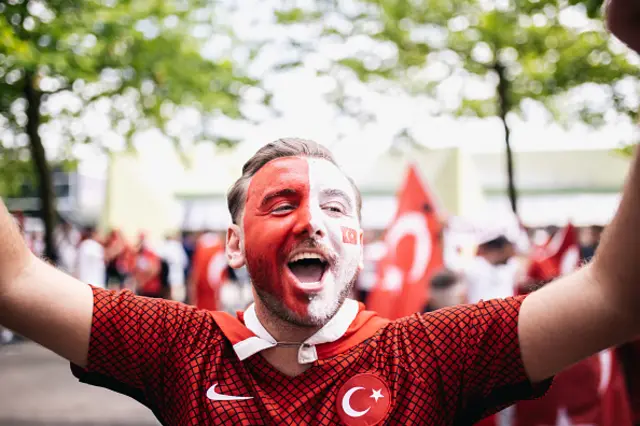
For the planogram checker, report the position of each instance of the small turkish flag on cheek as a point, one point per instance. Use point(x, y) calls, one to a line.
point(349, 235)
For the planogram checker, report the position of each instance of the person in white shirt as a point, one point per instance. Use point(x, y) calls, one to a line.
point(67, 239)
point(491, 274)
point(174, 254)
point(90, 259)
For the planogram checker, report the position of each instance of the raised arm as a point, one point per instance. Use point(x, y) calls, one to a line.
point(39, 301)
point(598, 306)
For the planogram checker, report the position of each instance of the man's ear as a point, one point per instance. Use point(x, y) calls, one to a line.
point(234, 247)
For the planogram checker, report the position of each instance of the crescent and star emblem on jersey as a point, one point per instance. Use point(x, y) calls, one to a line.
point(364, 400)
point(215, 396)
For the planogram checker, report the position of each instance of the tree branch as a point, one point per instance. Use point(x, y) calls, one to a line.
point(61, 89)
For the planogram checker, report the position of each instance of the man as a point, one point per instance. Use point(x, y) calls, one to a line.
point(147, 272)
point(589, 239)
point(90, 259)
point(446, 288)
point(175, 256)
point(208, 271)
point(302, 353)
point(491, 274)
point(66, 239)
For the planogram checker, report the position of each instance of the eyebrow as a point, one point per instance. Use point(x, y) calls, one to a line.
point(340, 194)
point(287, 192)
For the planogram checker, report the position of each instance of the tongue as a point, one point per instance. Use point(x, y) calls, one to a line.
point(307, 272)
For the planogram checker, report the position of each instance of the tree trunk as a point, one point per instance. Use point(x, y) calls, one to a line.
point(504, 106)
point(43, 172)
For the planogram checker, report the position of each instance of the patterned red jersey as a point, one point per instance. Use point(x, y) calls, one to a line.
point(196, 367)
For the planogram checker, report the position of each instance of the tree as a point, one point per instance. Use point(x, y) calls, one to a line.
point(529, 53)
point(135, 62)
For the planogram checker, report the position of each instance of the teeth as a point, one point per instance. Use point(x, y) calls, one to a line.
point(307, 255)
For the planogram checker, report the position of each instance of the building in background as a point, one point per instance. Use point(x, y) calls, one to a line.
point(80, 197)
point(160, 195)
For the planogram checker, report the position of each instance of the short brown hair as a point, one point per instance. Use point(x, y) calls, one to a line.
point(285, 147)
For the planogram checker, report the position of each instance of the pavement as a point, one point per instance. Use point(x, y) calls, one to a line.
point(38, 389)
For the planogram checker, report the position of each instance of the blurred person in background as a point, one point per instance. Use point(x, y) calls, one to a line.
point(176, 258)
point(235, 292)
point(446, 288)
point(120, 262)
point(66, 238)
point(37, 243)
point(491, 274)
point(189, 239)
point(208, 272)
point(374, 250)
point(589, 240)
point(90, 264)
point(147, 276)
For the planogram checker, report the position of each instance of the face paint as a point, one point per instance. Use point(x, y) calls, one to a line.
point(299, 262)
point(349, 235)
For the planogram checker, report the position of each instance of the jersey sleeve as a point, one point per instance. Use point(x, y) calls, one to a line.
point(473, 352)
point(136, 340)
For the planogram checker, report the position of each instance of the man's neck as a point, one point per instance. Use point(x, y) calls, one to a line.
point(284, 358)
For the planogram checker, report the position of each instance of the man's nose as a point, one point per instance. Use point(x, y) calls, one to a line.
point(310, 222)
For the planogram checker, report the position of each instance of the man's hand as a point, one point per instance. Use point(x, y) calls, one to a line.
point(40, 302)
point(623, 20)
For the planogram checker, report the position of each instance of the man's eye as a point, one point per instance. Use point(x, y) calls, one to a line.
point(282, 208)
point(335, 208)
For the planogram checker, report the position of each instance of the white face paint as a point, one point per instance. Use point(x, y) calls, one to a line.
point(333, 208)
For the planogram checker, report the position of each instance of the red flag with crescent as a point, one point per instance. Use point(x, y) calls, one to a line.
point(208, 271)
point(414, 252)
point(559, 256)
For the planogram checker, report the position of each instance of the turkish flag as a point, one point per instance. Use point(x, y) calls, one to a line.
point(590, 393)
point(559, 256)
point(413, 252)
point(349, 235)
point(208, 271)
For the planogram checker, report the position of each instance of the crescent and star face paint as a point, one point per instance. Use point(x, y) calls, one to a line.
point(303, 242)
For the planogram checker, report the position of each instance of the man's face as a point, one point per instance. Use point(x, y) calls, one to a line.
point(302, 238)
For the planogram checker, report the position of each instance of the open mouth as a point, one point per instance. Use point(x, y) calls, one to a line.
point(308, 268)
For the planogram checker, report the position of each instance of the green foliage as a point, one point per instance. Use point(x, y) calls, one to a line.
point(542, 49)
point(136, 62)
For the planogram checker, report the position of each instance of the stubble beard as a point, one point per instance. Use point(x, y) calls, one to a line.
point(317, 316)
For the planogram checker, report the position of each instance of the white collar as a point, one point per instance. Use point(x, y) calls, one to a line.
point(330, 332)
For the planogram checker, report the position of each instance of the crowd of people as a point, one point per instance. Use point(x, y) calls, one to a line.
point(190, 263)
point(186, 266)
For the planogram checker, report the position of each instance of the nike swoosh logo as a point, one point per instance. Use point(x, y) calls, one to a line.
point(215, 396)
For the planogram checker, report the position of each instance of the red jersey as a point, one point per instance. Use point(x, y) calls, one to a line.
point(195, 367)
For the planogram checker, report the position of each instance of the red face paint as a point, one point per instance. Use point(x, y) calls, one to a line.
point(276, 215)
